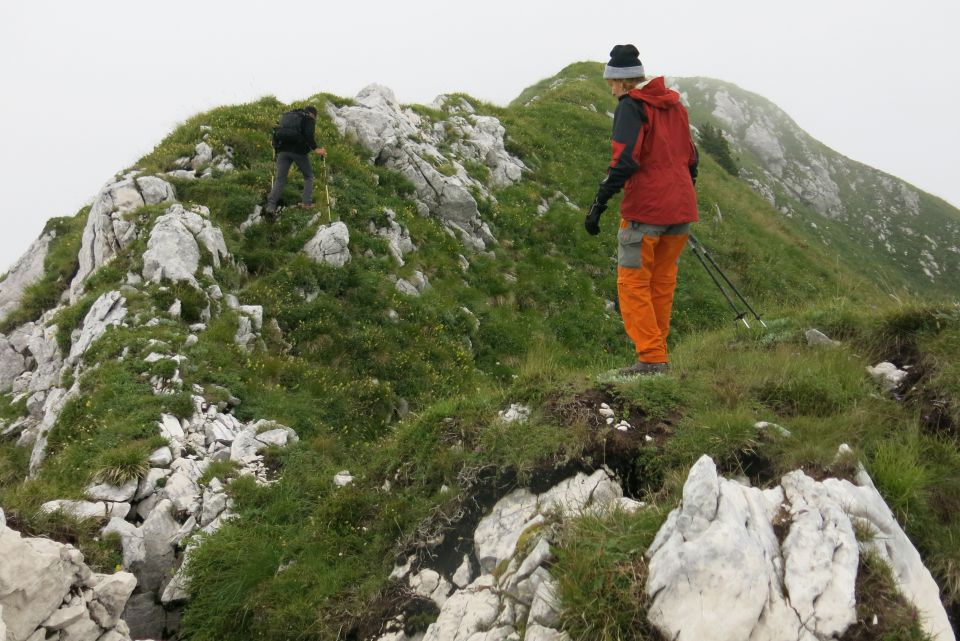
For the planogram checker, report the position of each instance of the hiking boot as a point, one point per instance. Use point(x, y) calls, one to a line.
point(641, 369)
point(305, 206)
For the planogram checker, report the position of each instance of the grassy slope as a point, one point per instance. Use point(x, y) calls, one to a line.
point(305, 558)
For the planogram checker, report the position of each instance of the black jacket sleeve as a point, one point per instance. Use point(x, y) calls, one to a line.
point(627, 128)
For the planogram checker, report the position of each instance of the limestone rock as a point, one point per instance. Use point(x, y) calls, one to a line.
point(12, 364)
point(106, 231)
point(87, 509)
point(330, 245)
point(107, 492)
point(398, 237)
point(83, 629)
point(65, 616)
point(467, 612)
point(173, 251)
point(245, 445)
point(37, 579)
point(107, 311)
point(342, 478)
point(25, 272)
point(718, 571)
point(497, 534)
point(112, 593)
point(464, 574)
point(817, 338)
point(161, 457)
point(516, 412)
point(52, 406)
point(402, 140)
point(131, 540)
point(405, 287)
point(34, 579)
point(148, 484)
point(888, 375)
point(158, 532)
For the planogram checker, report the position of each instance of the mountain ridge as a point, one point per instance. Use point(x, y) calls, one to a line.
point(309, 401)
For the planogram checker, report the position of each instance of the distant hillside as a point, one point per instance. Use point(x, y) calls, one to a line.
point(879, 221)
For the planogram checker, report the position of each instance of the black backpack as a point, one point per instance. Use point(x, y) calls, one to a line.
point(289, 132)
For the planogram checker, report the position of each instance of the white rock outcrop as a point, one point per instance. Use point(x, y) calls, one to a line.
point(717, 570)
point(402, 140)
point(398, 239)
point(25, 272)
point(330, 245)
point(107, 230)
point(173, 251)
point(47, 591)
point(175, 501)
point(514, 590)
point(30, 359)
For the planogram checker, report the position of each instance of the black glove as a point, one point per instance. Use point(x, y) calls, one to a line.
point(592, 222)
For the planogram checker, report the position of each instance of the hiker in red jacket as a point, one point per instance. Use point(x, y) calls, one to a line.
point(655, 163)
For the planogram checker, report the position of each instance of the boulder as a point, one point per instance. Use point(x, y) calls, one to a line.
point(173, 251)
point(107, 492)
point(110, 596)
point(41, 583)
point(34, 580)
point(161, 457)
point(330, 245)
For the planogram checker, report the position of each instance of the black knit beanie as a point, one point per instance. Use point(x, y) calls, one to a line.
point(311, 110)
point(624, 63)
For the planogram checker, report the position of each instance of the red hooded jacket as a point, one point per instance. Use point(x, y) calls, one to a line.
point(654, 158)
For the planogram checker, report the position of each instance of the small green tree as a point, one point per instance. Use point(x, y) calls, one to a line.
point(713, 142)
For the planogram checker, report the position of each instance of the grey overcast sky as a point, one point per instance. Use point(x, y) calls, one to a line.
point(89, 87)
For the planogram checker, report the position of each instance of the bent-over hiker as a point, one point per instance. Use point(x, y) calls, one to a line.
point(293, 139)
point(655, 163)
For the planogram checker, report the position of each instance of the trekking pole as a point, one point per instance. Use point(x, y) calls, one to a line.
point(326, 188)
point(740, 316)
point(728, 281)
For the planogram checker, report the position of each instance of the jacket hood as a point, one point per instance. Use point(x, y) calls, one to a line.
point(655, 93)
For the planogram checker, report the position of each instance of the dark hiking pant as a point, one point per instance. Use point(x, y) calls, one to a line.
point(284, 160)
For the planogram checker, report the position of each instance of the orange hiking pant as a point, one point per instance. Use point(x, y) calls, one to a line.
point(647, 259)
